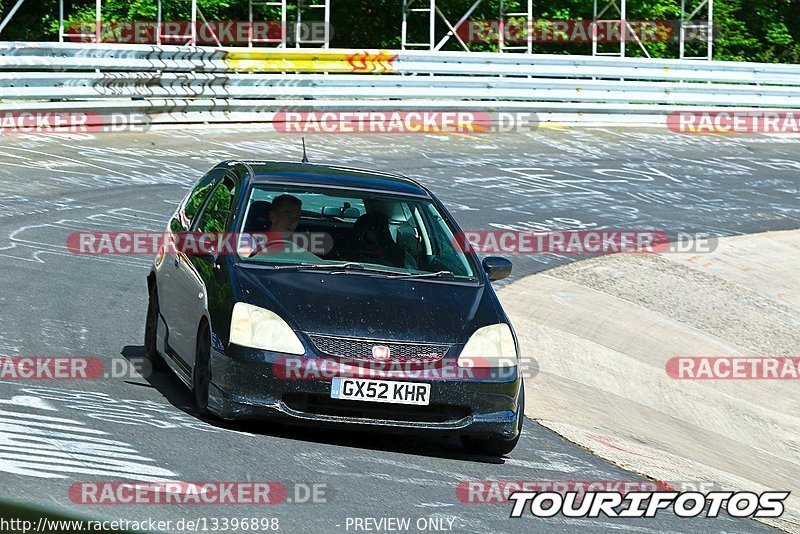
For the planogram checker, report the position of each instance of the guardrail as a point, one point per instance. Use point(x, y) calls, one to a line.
point(180, 80)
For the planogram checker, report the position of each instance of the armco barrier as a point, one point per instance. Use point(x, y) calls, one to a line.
point(180, 83)
point(37, 85)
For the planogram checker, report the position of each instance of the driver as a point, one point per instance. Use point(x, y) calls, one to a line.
point(282, 219)
point(284, 214)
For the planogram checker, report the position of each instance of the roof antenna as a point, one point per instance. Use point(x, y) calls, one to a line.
point(305, 156)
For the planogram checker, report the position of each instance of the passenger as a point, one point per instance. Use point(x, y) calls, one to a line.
point(373, 242)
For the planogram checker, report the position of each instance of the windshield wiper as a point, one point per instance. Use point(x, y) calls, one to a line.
point(337, 268)
point(343, 268)
point(322, 266)
point(358, 267)
point(437, 274)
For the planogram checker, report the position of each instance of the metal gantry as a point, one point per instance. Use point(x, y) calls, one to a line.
point(309, 6)
point(10, 14)
point(527, 16)
point(279, 42)
point(598, 17)
point(300, 39)
point(409, 9)
point(626, 30)
point(698, 27)
point(98, 18)
point(690, 26)
point(433, 14)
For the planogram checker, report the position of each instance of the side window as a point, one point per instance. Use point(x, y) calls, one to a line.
point(214, 218)
point(175, 225)
point(441, 240)
point(423, 231)
point(194, 200)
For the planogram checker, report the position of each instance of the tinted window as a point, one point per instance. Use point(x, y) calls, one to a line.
point(215, 215)
point(194, 201)
point(406, 234)
point(175, 225)
point(345, 206)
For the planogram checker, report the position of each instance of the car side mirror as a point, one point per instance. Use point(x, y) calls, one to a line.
point(496, 267)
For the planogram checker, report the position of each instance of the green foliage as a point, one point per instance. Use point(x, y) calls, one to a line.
point(746, 30)
point(196, 200)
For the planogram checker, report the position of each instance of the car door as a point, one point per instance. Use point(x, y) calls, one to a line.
point(195, 275)
point(169, 296)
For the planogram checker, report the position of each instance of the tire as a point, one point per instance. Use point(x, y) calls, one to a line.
point(495, 445)
point(151, 354)
point(201, 374)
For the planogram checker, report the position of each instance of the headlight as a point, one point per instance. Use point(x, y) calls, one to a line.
point(258, 328)
point(491, 346)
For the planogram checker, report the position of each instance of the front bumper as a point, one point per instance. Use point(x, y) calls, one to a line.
point(253, 384)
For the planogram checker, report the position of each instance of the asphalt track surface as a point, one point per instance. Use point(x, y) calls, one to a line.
point(53, 433)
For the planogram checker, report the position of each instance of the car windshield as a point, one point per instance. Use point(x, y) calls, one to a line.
point(351, 231)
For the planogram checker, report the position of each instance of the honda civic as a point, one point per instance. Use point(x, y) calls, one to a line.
point(333, 296)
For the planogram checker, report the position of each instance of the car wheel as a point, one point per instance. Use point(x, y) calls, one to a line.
point(151, 331)
point(495, 445)
point(201, 375)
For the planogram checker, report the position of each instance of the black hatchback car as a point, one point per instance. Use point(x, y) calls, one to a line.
point(374, 316)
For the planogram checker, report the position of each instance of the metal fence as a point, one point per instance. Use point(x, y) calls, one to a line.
point(178, 83)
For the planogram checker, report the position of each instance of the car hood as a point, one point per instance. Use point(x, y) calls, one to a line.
point(370, 307)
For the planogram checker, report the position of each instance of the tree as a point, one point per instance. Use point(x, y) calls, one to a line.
point(751, 30)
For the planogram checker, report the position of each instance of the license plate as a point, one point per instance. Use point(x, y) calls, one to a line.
point(381, 391)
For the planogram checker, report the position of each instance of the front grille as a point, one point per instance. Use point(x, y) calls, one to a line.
point(324, 405)
point(361, 349)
